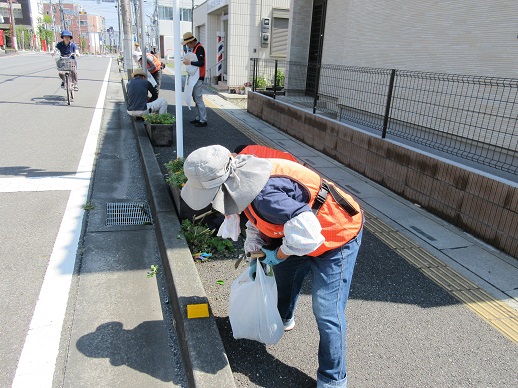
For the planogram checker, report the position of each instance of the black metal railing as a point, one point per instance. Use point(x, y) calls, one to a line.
point(472, 117)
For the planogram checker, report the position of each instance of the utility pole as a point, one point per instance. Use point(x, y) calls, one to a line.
point(126, 26)
point(157, 30)
point(62, 15)
point(120, 31)
point(12, 26)
point(143, 37)
point(53, 21)
point(136, 13)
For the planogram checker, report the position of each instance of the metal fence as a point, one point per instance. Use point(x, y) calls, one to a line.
point(472, 117)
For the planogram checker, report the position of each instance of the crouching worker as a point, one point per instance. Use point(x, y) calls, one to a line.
point(139, 102)
point(319, 228)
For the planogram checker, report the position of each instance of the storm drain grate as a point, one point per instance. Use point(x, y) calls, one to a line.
point(128, 213)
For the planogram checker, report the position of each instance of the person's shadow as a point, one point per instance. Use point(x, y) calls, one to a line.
point(142, 348)
point(252, 359)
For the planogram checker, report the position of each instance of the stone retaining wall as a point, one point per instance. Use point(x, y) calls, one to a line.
point(485, 207)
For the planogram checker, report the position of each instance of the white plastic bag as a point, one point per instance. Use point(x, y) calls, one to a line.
point(151, 79)
point(253, 310)
point(193, 75)
point(230, 228)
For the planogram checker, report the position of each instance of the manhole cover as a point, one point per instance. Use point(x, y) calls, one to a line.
point(128, 213)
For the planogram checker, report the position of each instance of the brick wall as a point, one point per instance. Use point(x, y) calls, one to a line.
point(485, 207)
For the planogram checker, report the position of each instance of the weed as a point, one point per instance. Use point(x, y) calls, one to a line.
point(153, 271)
point(88, 206)
point(201, 238)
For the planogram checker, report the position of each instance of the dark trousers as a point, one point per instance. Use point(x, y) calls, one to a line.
point(157, 75)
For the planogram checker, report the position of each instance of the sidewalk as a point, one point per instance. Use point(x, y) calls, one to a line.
point(436, 259)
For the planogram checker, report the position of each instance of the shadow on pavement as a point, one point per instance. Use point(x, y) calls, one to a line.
point(253, 360)
point(136, 348)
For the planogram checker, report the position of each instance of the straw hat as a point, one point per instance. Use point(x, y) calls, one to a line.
point(138, 72)
point(188, 37)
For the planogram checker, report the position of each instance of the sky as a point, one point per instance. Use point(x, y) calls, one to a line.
point(108, 10)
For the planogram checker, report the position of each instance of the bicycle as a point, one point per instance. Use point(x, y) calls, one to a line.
point(65, 66)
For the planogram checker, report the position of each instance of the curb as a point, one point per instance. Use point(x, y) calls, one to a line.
point(205, 361)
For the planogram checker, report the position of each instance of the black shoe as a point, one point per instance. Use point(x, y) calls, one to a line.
point(62, 85)
point(195, 121)
point(201, 124)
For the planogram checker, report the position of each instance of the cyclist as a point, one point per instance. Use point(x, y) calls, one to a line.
point(68, 48)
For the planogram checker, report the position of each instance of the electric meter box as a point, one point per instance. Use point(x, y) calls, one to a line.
point(265, 25)
point(265, 39)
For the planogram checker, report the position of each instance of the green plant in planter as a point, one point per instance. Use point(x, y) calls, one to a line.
point(261, 82)
point(155, 118)
point(175, 174)
point(279, 78)
point(201, 238)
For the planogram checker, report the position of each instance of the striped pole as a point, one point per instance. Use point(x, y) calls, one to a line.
point(220, 55)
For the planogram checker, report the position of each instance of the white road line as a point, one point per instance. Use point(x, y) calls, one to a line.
point(39, 353)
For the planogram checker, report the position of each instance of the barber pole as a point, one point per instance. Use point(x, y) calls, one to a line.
point(220, 36)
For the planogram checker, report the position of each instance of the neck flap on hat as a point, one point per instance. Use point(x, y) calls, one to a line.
point(240, 189)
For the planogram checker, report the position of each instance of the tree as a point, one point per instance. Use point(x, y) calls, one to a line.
point(23, 36)
point(45, 34)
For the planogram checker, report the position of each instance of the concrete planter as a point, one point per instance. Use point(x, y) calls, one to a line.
point(184, 212)
point(161, 135)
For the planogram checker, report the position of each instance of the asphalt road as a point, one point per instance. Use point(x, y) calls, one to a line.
point(78, 308)
point(42, 143)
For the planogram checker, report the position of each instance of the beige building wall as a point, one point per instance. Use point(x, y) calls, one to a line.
point(458, 37)
point(240, 20)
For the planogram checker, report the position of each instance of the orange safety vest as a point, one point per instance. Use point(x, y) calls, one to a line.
point(266, 152)
point(156, 62)
point(338, 227)
point(202, 69)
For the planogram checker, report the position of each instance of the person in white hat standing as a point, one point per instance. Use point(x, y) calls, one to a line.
point(197, 93)
point(311, 227)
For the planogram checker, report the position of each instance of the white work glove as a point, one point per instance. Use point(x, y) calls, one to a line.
point(230, 227)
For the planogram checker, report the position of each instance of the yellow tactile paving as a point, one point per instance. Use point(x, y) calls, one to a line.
point(494, 312)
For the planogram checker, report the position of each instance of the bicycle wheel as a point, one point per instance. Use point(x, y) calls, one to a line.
point(72, 92)
point(67, 87)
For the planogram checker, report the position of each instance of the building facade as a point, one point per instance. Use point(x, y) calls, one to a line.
point(166, 26)
point(26, 14)
point(233, 31)
point(456, 37)
point(89, 30)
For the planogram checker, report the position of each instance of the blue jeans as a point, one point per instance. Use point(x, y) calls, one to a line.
point(331, 275)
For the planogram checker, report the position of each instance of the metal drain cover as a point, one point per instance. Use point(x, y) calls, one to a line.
point(128, 213)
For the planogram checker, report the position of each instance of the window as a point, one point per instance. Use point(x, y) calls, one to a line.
point(167, 13)
point(186, 14)
point(279, 34)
